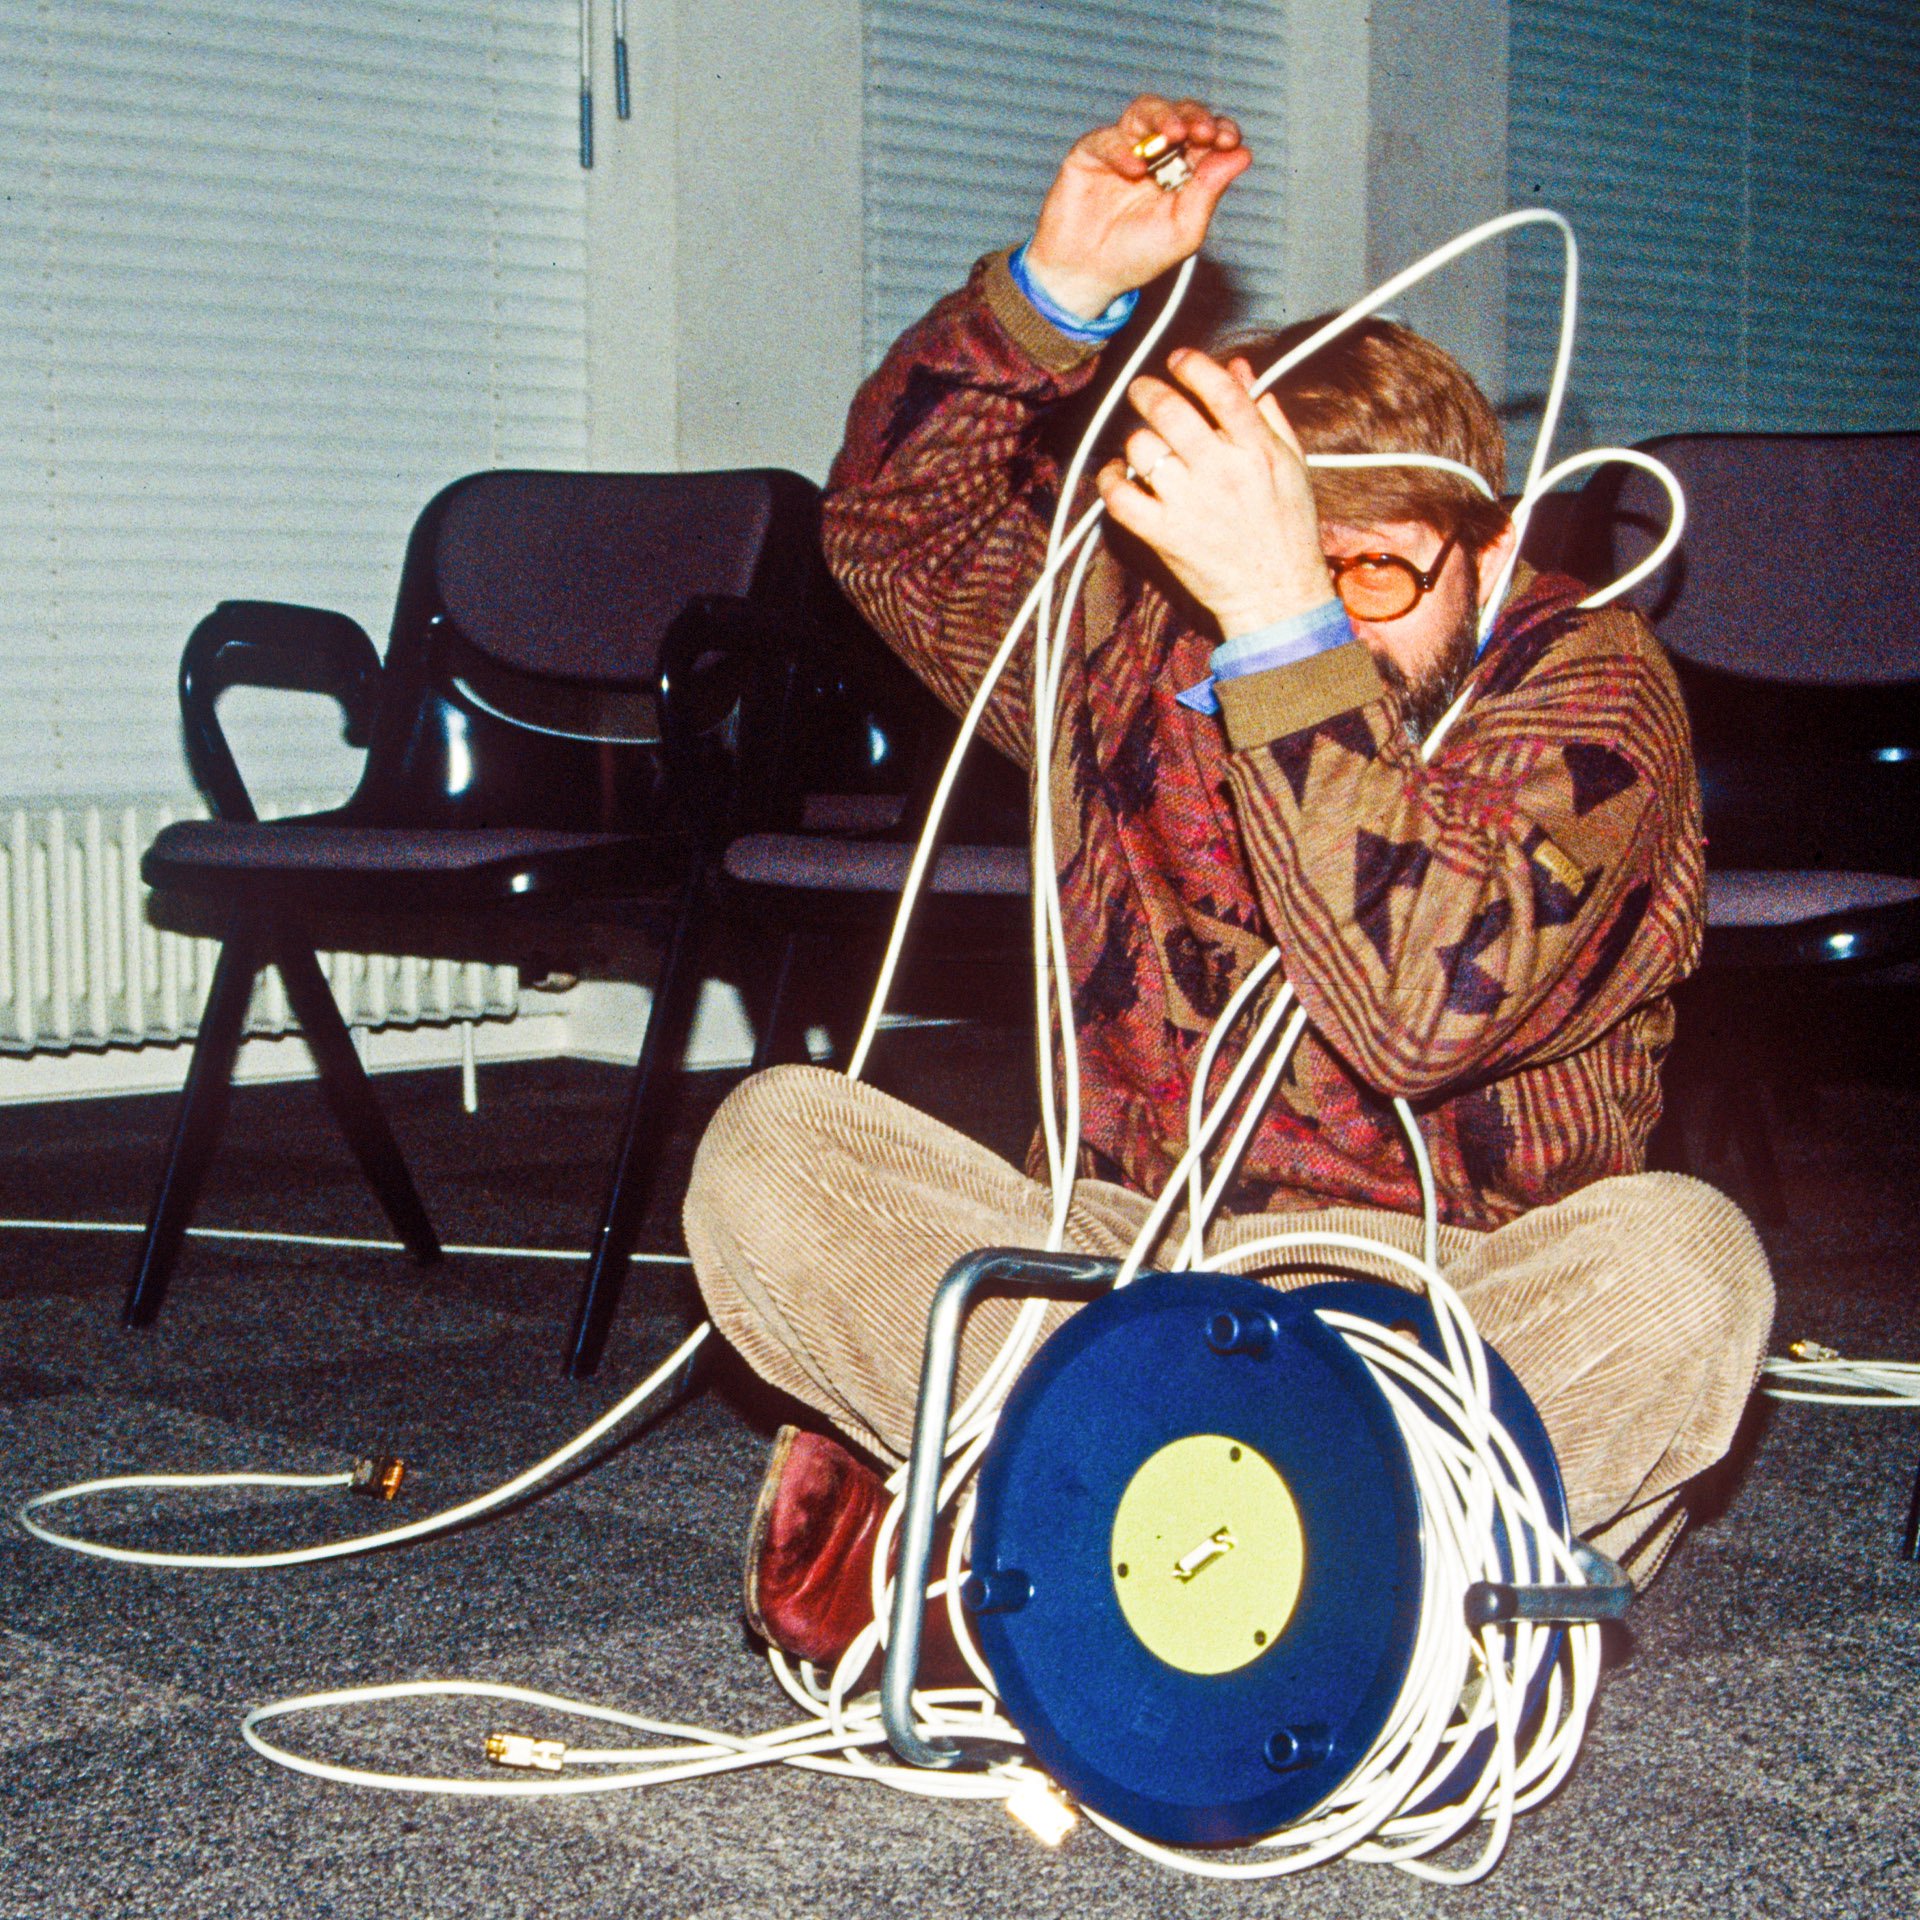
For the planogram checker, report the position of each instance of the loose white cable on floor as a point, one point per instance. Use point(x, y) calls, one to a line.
point(696, 1752)
point(361, 1543)
point(1817, 1374)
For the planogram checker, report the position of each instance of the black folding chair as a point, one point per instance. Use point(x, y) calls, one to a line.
point(515, 776)
point(1786, 614)
point(821, 863)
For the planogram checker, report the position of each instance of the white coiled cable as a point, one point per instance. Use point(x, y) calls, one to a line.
point(524, 1482)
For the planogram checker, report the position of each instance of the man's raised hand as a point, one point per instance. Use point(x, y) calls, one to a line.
point(1221, 492)
point(1107, 227)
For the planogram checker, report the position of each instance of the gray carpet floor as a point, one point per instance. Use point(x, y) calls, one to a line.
point(1754, 1752)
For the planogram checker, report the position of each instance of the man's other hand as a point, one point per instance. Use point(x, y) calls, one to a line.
point(1220, 491)
point(1107, 227)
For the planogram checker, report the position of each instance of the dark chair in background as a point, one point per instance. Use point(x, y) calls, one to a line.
point(515, 776)
point(825, 865)
point(1789, 613)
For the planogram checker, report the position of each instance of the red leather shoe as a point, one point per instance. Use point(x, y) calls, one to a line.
point(809, 1566)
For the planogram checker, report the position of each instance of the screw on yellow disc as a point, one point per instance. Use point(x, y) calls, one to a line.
point(1207, 1554)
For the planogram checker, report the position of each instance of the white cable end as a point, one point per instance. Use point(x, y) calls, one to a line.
point(522, 1750)
point(1040, 1807)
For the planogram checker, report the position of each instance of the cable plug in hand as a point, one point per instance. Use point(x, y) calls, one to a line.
point(1107, 226)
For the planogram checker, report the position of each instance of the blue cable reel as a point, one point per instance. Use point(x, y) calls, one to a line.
point(1196, 1554)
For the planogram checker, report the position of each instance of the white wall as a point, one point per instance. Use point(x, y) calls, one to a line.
point(1437, 164)
point(724, 236)
point(724, 218)
point(1329, 107)
point(633, 227)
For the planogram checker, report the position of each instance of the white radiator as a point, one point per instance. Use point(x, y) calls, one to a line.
point(81, 968)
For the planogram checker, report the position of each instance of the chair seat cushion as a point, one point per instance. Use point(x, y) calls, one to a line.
point(1751, 897)
point(399, 865)
point(816, 863)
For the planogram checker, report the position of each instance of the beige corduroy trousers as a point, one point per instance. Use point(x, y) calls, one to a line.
point(822, 1215)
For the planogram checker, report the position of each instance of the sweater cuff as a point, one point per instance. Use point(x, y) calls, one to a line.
point(1281, 644)
point(1101, 328)
point(1038, 339)
point(1298, 637)
point(1262, 707)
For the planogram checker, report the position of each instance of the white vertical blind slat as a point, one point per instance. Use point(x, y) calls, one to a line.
point(270, 277)
point(1743, 177)
point(969, 109)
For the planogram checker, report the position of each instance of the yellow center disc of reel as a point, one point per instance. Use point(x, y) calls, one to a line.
point(1207, 1554)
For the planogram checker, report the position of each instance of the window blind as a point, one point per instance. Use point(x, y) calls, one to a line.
point(269, 277)
point(970, 108)
point(1744, 176)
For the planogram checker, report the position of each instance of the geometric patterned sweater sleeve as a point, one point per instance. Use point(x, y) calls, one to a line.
point(1510, 901)
point(1492, 935)
point(937, 535)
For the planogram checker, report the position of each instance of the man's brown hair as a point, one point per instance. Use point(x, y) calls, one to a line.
point(1379, 388)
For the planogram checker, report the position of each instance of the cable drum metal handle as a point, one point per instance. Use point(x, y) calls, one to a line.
point(1021, 1270)
point(1607, 1594)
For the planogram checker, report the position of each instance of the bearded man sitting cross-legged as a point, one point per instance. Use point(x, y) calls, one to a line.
point(1491, 933)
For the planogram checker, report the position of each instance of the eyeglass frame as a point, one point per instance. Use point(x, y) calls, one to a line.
point(1424, 582)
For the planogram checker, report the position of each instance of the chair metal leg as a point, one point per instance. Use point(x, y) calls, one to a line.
point(350, 1094)
point(1744, 1110)
point(196, 1126)
point(675, 993)
point(772, 1044)
point(1911, 1545)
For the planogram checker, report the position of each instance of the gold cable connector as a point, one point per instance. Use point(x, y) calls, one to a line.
point(1169, 165)
point(523, 1750)
point(1811, 1350)
point(377, 1478)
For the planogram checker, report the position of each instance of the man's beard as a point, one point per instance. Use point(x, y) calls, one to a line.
point(1426, 699)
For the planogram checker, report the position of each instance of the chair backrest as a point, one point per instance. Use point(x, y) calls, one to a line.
point(527, 635)
point(1800, 556)
point(1788, 613)
point(1556, 529)
point(579, 575)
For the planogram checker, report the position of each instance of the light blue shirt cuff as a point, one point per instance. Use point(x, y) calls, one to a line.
point(1298, 637)
point(1073, 325)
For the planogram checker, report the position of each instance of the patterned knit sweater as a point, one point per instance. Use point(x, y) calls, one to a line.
point(1492, 935)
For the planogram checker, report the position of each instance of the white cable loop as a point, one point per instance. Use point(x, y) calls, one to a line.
point(360, 1543)
point(1835, 1382)
point(1437, 461)
point(1256, 976)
